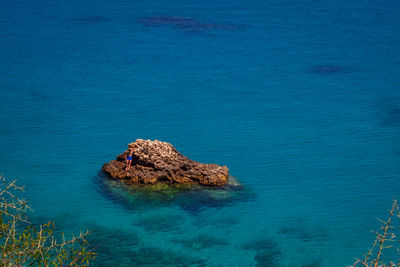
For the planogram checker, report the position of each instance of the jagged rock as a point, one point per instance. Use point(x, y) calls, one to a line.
point(159, 162)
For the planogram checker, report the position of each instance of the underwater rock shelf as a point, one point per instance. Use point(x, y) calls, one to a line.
point(159, 162)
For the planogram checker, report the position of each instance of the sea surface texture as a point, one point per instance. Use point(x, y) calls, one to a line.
point(300, 99)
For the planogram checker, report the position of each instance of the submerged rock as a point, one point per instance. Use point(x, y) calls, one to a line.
point(192, 198)
point(156, 162)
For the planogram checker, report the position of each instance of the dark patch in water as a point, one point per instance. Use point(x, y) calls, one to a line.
point(201, 242)
point(298, 229)
point(267, 252)
point(316, 263)
point(91, 20)
point(267, 258)
point(260, 244)
point(149, 256)
point(39, 96)
point(101, 236)
point(388, 112)
point(114, 254)
point(108, 243)
point(392, 117)
point(160, 222)
point(184, 23)
point(327, 69)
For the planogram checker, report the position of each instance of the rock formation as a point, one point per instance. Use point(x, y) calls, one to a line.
point(159, 162)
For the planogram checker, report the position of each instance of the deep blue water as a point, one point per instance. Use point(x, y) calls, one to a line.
point(300, 99)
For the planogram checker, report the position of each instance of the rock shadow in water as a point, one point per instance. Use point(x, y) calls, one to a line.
point(203, 241)
point(267, 251)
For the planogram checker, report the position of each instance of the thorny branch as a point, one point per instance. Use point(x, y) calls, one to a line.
point(21, 244)
point(374, 255)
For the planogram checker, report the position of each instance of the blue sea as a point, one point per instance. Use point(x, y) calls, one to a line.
point(300, 99)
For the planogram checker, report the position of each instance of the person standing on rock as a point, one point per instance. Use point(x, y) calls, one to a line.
point(129, 159)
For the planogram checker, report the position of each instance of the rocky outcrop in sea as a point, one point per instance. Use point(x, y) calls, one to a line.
point(159, 162)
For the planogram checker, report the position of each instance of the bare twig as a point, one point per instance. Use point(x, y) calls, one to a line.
point(30, 246)
point(374, 255)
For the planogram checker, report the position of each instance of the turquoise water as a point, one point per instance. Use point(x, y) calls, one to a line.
point(300, 99)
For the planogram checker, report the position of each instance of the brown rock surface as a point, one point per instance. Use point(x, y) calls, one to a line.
point(159, 162)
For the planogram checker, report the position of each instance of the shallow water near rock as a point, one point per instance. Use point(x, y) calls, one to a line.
point(192, 198)
point(317, 153)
